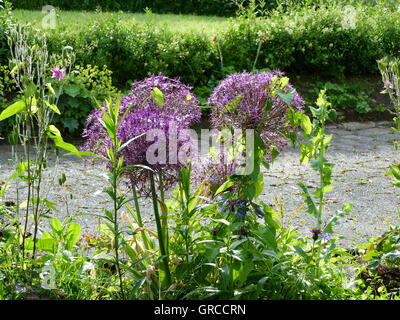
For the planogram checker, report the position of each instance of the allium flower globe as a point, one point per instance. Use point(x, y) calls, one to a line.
point(179, 111)
point(240, 102)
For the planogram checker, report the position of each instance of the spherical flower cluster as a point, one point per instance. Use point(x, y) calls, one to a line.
point(177, 112)
point(249, 101)
point(178, 98)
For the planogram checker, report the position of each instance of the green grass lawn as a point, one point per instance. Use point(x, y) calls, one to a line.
point(74, 21)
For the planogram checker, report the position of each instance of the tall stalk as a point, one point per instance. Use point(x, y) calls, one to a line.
point(139, 217)
point(162, 245)
point(30, 63)
point(116, 224)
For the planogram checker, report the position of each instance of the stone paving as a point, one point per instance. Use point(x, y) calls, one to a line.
point(361, 152)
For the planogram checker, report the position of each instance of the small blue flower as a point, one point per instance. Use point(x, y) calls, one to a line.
point(237, 207)
point(317, 232)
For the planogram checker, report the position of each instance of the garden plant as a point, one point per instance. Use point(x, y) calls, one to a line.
point(182, 219)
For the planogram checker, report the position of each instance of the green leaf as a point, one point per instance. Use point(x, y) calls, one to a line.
point(312, 209)
point(224, 187)
point(226, 277)
point(56, 226)
point(274, 153)
point(71, 123)
point(212, 251)
point(49, 245)
point(53, 130)
point(158, 97)
point(301, 252)
point(52, 107)
point(72, 235)
point(332, 115)
point(128, 142)
point(48, 85)
point(72, 90)
point(271, 254)
point(246, 268)
point(306, 124)
point(73, 103)
point(30, 91)
point(286, 97)
point(55, 135)
point(15, 108)
point(259, 186)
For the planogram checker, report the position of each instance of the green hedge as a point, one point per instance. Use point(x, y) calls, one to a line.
point(309, 40)
point(6, 20)
point(328, 41)
point(201, 7)
point(133, 52)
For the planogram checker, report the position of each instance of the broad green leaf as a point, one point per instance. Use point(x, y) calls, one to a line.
point(56, 225)
point(72, 235)
point(286, 97)
point(71, 123)
point(30, 91)
point(49, 245)
point(306, 124)
point(284, 82)
point(53, 130)
point(72, 90)
point(224, 187)
point(60, 143)
point(13, 109)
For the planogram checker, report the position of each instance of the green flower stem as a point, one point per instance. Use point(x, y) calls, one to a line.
point(139, 217)
point(116, 226)
point(161, 183)
point(161, 238)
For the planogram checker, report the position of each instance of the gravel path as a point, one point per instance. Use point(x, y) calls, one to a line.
point(361, 152)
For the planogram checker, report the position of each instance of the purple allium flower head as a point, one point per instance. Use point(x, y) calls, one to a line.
point(178, 98)
point(176, 115)
point(241, 100)
point(57, 73)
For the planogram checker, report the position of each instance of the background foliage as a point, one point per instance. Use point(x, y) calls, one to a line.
point(326, 38)
point(200, 7)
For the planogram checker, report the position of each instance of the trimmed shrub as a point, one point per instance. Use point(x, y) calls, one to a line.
point(200, 7)
point(6, 20)
point(325, 40)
